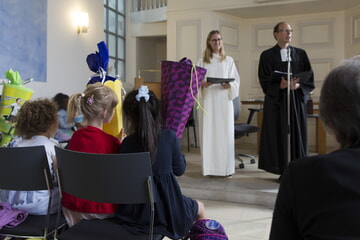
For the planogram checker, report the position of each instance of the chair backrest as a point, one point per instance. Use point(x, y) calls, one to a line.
point(27, 169)
point(236, 102)
point(24, 169)
point(124, 178)
point(110, 178)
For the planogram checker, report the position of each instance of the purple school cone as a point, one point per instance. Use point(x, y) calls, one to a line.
point(180, 83)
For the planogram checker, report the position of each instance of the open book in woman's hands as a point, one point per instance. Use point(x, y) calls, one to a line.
point(219, 80)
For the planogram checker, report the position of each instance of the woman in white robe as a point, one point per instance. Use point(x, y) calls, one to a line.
point(216, 123)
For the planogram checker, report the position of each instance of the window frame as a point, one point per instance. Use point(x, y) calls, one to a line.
point(117, 63)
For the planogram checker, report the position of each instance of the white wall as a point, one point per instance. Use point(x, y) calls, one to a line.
point(133, 31)
point(352, 30)
point(150, 53)
point(67, 70)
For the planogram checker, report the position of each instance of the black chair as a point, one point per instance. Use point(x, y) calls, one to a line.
point(27, 169)
point(110, 178)
point(191, 123)
point(243, 129)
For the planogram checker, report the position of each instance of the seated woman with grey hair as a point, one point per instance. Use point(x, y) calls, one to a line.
point(319, 196)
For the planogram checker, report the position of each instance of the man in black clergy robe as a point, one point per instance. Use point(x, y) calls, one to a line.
point(273, 155)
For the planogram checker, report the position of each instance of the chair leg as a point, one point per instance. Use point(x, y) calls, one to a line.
point(188, 137)
point(195, 135)
point(242, 164)
point(252, 158)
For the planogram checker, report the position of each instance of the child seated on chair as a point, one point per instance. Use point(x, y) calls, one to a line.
point(97, 106)
point(174, 212)
point(37, 123)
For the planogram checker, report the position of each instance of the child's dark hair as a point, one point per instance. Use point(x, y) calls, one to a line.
point(36, 117)
point(143, 117)
point(59, 99)
point(95, 99)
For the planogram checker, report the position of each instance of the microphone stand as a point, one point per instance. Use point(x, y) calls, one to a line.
point(288, 106)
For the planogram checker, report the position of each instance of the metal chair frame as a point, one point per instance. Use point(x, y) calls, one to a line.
point(109, 178)
point(27, 169)
point(243, 129)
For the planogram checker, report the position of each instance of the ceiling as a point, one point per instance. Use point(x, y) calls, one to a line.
point(273, 8)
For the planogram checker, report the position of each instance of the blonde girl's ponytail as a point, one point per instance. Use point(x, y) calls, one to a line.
point(73, 106)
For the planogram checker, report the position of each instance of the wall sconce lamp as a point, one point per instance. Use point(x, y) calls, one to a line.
point(81, 21)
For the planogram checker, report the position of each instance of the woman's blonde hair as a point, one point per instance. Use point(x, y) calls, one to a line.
point(208, 53)
point(92, 102)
